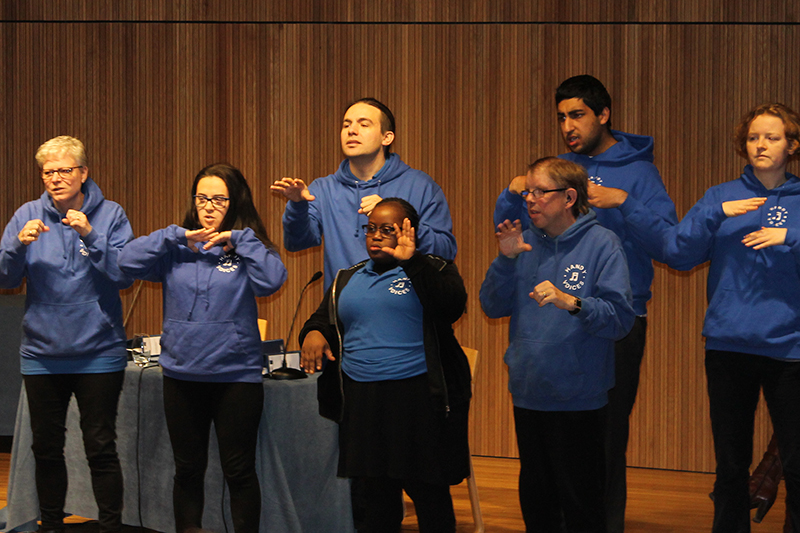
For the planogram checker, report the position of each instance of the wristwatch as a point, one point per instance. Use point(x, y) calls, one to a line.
point(577, 305)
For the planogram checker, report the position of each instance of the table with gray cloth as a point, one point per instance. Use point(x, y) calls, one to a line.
point(296, 461)
point(12, 307)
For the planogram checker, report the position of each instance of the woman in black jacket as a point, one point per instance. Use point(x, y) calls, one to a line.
point(397, 381)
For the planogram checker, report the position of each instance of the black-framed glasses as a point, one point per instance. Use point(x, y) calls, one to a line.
point(219, 202)
point(386, 230)
point(538, 193)
point(63, 173)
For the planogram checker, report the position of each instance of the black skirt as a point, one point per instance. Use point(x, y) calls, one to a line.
point(390, 429)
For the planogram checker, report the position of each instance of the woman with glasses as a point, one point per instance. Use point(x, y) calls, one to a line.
point(65, 245)
point(212, 267)
point(397, 381)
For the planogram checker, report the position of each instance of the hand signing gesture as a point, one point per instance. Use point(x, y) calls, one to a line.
point(77, 221)
point(219, 238)
point(547, 293)
point(764, 238)
point(734, 208)
point(509, 239)
point(194, 236)
point(606, 197)
point(31, 230)
point(406, 242)
point(368, 203)
point(293, 189)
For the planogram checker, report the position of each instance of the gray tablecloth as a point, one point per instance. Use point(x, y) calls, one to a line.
point(296, 463)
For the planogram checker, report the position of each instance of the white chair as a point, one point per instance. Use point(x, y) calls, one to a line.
point(474, 500)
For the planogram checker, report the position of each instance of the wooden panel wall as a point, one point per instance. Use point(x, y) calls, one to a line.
point(154, 102)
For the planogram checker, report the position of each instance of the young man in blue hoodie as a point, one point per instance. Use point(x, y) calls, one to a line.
point(623, 180)
point(564, 283)
point(337, 206)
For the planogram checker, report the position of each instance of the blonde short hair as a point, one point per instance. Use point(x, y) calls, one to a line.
point(59, 147)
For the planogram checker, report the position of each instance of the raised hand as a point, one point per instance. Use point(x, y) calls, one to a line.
point(509, 239)
point(293, 189)
point(406, 242)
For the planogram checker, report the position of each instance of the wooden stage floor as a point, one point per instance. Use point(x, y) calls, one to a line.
point(658, 501)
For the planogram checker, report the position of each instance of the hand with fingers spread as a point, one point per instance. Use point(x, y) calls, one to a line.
point(406, 242)
point(77, 221)
point(293, 189)
point(31, 230)
point(314, 348)
point(509, 239)
point(764, 238)
point(734, 208)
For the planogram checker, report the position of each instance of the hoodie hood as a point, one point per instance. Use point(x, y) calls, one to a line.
point(572, 233)
point(391, 169)
point(92, 198)
point(792, 185)
point(630, 148)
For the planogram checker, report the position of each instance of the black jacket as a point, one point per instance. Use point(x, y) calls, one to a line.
point(441, 292)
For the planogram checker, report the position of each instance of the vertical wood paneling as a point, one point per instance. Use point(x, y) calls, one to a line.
point(155, 102)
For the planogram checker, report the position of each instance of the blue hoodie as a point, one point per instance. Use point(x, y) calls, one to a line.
point(334, 214)
point(752, 295)
point(627, 165)
point(558, 361)
point(210, 330)
point(73, 313)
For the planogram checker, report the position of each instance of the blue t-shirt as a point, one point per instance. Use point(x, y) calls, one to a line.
point(382, 319)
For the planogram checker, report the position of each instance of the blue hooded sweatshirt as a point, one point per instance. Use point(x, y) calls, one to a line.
point(752, 294)
point(334, 214)
point(627, 165)
point(558, 361)
point(210, 331)
point(73, 313)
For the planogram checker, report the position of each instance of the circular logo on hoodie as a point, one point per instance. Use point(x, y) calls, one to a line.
point(400, 286)
point(777, 215)
point(597, 180)
point(574, 277)
point(228, 262)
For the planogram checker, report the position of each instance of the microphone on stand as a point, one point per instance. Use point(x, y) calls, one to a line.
point(285, 372)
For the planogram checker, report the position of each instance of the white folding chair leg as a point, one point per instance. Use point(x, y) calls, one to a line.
point(475, 502)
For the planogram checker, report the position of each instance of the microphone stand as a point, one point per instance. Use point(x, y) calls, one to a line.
point(285, 372)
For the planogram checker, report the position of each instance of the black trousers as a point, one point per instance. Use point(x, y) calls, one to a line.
point(628, 354)
point(235, 409)
point(562, 470)
point(382, 505)
point(48, 400)
point(734, 380)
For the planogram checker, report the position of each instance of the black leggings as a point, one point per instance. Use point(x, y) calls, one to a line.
point(235, 409)
point(48, 400)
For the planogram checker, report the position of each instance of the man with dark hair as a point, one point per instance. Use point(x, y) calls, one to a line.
point(337, 206)
point(623, 180)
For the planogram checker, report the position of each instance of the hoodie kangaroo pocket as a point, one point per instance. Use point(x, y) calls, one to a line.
point(66, 329)
point(545, 370)
point(202, 347)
